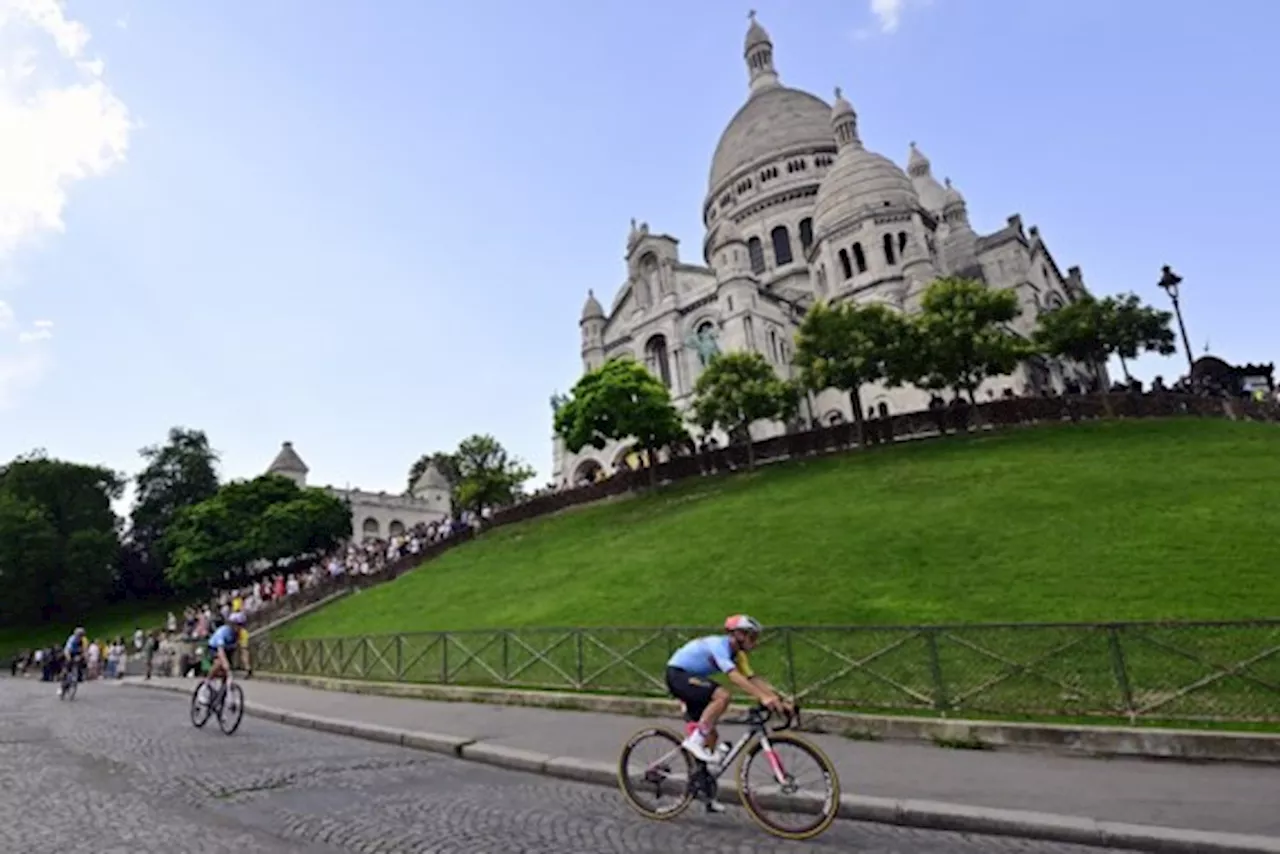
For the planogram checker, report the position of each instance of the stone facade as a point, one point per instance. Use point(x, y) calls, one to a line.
point(796, 210)
point(378, 515)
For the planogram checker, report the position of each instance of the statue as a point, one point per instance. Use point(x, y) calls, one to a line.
point(704, 341)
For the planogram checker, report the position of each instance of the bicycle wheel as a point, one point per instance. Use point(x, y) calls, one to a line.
point(69, 690)
point(232, 711)
point(201, 704)
point(785, 809)
point(653, 766)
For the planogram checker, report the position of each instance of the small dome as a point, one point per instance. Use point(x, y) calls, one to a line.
point(859, 178)
point(287, 461)
point(931, 193)
point(431, 478)
point(592, 309)
point(756, 35)
point(917, 163)
point(951, 196)
point(772, 121)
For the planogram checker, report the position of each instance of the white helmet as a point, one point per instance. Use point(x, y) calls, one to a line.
point(743, 623)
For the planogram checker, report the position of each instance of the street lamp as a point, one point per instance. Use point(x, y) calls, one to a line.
point(1169, 281)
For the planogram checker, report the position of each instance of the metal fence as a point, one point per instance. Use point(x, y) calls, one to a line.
point(1208, 671)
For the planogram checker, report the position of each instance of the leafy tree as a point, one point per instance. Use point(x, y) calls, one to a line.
point(487, 475)
point(962, 336)
point(735, 391)
point(1139, 328)
point(267, 518)
point(59, 538)
point(620, 400)
point(445, 463)
point(845, 346)
point(178, 474)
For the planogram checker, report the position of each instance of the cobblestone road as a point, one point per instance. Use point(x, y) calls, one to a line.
point(129, 774)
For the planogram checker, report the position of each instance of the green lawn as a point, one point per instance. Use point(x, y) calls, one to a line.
point(1114, 520)
point(116, 620)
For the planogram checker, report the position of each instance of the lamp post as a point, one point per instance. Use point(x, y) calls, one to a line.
point(1169, 282)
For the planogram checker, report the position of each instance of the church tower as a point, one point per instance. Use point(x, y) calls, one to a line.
point(592, 324)
point(737, 291)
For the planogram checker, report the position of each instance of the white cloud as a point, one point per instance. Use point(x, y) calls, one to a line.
point(59, 123)
point(25, 354)
point(888, 16)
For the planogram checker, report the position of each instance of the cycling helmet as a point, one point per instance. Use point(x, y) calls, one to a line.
point(743, 623)
point(80, 630)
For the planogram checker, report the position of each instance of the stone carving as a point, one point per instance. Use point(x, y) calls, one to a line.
point(705, 343)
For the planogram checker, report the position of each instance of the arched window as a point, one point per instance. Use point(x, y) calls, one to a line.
point(756, 253)
point(370, 528)
point(844, 264)
point(902, 242)
point(773, 344)
point(806, 234)
point(889, 257)
point(396, 528)
point(883, 409)
point(859, 258)
point(655, 359)
point(822, 280)
point(781, 245)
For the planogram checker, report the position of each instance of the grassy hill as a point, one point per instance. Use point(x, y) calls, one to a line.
point(1099, 521)
point(111, 621)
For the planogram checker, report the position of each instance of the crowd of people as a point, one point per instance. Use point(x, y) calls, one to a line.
point(103, 659)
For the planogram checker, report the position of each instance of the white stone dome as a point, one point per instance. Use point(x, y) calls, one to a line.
point(773, 120)
point(858, 178)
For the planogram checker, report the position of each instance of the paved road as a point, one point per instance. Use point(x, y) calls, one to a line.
point(136, 778)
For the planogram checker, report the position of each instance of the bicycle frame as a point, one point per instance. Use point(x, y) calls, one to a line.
point(755, 721)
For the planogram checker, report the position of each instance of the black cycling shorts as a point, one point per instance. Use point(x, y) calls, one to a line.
point(694, 691)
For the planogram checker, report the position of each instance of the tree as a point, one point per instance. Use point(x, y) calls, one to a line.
point(178, 474)
point(445, 463)
point(735, 391)
point(620, 400)
point(1139, 328)
point(264, 519)
point(845, 346)
point(962, 336)
point(487, 475)
point(59, 538)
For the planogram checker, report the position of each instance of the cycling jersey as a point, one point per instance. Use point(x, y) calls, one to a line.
point(74, 645)
point(711, 654)
point(223, 638)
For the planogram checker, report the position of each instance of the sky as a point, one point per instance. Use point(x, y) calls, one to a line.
point(369, 227)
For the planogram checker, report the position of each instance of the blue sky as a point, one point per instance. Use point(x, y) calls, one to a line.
point(369, 227)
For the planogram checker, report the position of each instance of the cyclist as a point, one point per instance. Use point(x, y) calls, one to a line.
point(222, 646)
point(704, 700)
point(237, 620)
point(72, 653)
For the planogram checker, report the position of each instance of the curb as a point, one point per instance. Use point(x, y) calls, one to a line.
point(929, 815)
point(1092, 741)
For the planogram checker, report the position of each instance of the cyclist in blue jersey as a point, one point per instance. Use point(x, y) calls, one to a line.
point(73, 654)
point(222, 643)
point(704, 700)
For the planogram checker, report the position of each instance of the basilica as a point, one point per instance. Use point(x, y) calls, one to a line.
point(797, 210)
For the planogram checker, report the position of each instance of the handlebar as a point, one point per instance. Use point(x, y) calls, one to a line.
point(759, 715)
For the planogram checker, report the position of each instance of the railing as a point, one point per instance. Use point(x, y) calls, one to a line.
point(1004, 412)
point(1208, 671)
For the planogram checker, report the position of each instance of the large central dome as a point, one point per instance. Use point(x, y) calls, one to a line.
point(775, 119)
point(772, 120)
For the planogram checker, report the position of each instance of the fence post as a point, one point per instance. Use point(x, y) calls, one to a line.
point(364, 657)
point(342, 658)
point(791, 662)
point(1121, 670)
point(578, 639)
point(444, 658)
point(399, 658)
point(506, 657)
point(940, 701)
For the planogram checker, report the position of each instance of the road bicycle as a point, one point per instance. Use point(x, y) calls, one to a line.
point(221, 698)
point(770, 797)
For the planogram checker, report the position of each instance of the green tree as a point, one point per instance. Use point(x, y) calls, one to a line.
point(619, 400)
point(267, 518)
point(180, 473)
point(962, 336)
point(736, 390)
point(59, 538)
point(1138, 328)
point(487, 475)
point(845, 346)
point(445, 463)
